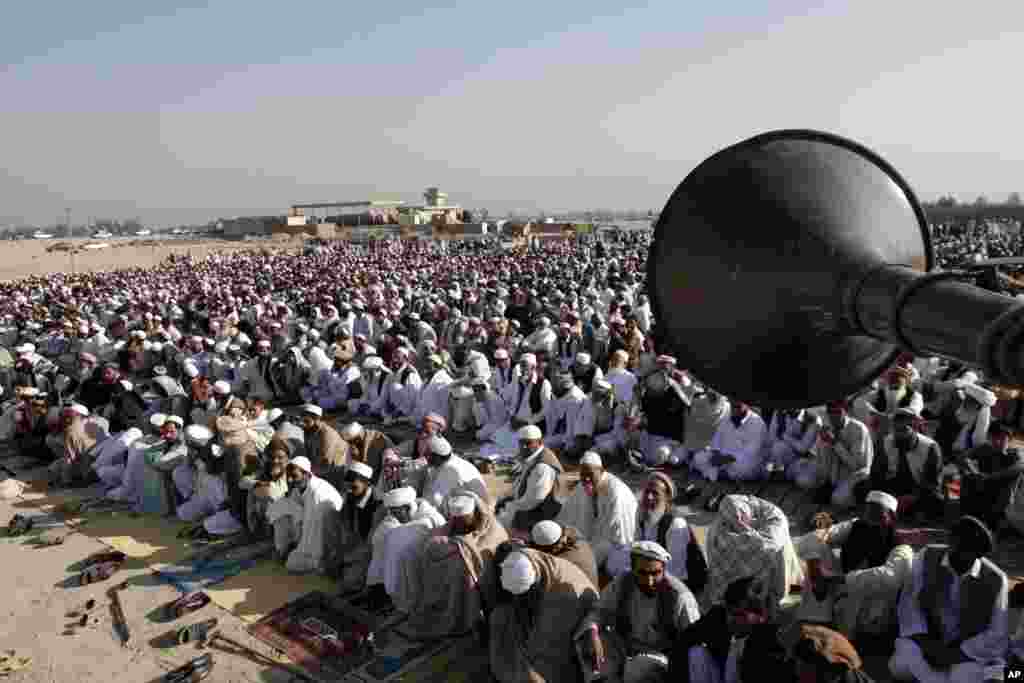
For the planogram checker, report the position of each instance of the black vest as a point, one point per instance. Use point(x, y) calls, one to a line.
point(865, 543)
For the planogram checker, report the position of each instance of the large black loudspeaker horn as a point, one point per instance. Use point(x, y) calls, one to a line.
point(792, 268)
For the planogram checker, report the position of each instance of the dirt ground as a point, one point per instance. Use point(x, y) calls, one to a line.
point(24, 258)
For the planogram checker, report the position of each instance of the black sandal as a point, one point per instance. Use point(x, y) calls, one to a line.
point(196, 670)
point(196, 632)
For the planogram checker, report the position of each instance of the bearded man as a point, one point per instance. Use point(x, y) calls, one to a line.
point(627, 636)
point(537, 602)
point(366, 445)
point(77, 444)
point(269, 486)
point(536, 489)
point(857, 591)
point(360, 515)
point(441, 584)
point(433, 398)
point(305, 521)
point(602, 508)
point(446, 472)
point(326, 450)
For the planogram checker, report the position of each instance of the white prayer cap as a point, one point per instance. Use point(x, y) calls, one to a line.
point(302, 462)
point(274, 414)
point(221, 346)
point(400, 497)
point(221, 387)
point(650, 550)
point(310, 409)
point(263, 343)
point(139, 334)
point(234, 348)
point(373, 363)
point(352, 430)
point(583, 358)
point(401, 351)
point(528, 358)
point(361, 469)
point(546, 532)
point(530, 433)
point(196, 339)
point(79, 409)
point(216, 450)
point(500, 354)
point(25, 348)
point(174, 420)
point(371, 351)
point(591, 458)
point(198, 435)
point(126, 385)
point(30, 392)
point(439, 446)
point(462, 505)
point(157, 419)
point(884, 499)
point(160, 370)
point(191, 370)
point(517, 573)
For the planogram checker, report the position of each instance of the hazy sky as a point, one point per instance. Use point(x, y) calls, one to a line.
point(126, 108)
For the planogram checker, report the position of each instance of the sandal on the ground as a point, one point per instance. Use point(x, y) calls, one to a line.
point(19, 524)
point(98, 572)
point(11, 663)
point(197, 631)
point(106, 556)
point(185, 604)
point(196, 670)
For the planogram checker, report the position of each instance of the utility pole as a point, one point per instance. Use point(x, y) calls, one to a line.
point(67, 223)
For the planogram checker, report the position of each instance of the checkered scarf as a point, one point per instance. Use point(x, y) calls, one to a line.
point(739, 546)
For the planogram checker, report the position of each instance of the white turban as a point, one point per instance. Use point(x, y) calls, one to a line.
point(440, 446)
point(400, 497)
point(222, 387)
point(373, 363)
point(352, 431)
point(174, 420)
point(302, 462)
point(530, 433)
point(462, 505)
point(591, 458)
point(198, 435)
point(79, 409)
point(546, 532)
point(191, 370)
point(583, 358)
point(517, 573)
point(528, 358)
point(884, 499)
point(157, 419)
point(651, 550)
point(310, 409)
point(362, 469)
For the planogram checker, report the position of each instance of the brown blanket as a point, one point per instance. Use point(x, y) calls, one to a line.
point(542, 651)
point(444, 580)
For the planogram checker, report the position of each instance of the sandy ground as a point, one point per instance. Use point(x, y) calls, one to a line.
point(24, 258)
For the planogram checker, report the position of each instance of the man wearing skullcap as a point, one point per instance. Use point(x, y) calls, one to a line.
point(602, 508)
point(790, 438)
point(199, 480)
point(258, 374)
point(445, 472)
point(269, 485)
point(569, 427)
point(538, 600)
point(369, 398)
point(434, 395)
point(442, 582)
point(305, 521)
point(627, 636)
point(529, 397)
point(366, 445)
point(972, 418)
point(328, 452)
point(858, 593)
point(333, 384)
point(880, 406)
point(535, 493)
point(74, 446)
point(842, 465)
point(396, 541)
point(908, 466)
point(243, 442)
point(953, 616)
point(565, 542)
point(401, 393)
point(489, 410)
point(360, 515)
point(150, 463)
point(585, 371)
point(621, 377)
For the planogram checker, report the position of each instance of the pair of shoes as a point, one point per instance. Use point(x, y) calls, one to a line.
point(185, 604)
point(196, 670)
point(98, 572)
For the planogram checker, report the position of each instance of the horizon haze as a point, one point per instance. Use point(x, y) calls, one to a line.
point(181, 115)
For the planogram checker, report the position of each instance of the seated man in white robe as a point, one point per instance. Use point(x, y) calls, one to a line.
point(305, 521)
point(111, 454)
point(489, 410)
point(844, 456)
point(397, 539)
point(855, 571)
point(736, 450)
point(953, 612)
point(162, 451)
point(567, 425)
point(603, 420)
point(792, 435)
point(433, 397)
point(628, 635)
point(365, 395)
point(401, 393)
point(207, 489)
point(602, 509)
point(446, 472)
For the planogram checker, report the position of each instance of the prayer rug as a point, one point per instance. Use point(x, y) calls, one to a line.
point(318, 633)
point(208, 569)
point(463, 661)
